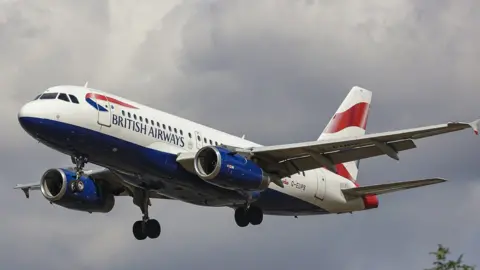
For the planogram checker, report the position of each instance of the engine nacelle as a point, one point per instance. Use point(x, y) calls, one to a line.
point(225, 169)
point(55, 188)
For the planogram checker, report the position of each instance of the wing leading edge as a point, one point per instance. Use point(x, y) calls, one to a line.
point(112, 178)
point(289, 159)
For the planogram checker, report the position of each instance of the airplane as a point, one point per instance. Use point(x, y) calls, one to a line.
point(147, 154)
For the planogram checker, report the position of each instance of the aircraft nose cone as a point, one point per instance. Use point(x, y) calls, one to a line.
point(25, 117)
point(24, 111)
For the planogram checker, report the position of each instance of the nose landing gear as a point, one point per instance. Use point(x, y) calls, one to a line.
point(77, 185)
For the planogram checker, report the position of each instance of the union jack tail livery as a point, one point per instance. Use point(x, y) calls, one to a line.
point(349, 120)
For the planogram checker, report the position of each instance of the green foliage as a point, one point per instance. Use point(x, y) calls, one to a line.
point(441, 262)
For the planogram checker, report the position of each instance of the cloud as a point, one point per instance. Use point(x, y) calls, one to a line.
point(275, 71)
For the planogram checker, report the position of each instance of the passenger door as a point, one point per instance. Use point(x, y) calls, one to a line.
point(321, 184)
point(104, 109)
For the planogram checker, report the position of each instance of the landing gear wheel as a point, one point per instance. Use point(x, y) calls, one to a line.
point(241, 217)
point(77, 186)
point(146, 227)
point(255, 215)
point(252, 215)
point(138, 231)
point(73, 186)
point(153, 228)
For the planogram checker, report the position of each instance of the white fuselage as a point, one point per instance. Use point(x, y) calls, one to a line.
point(127, 124)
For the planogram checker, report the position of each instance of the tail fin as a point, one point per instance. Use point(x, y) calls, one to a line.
point(349, 120)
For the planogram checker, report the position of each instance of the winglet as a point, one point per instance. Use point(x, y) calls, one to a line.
point(475, 125)
point(27, 192)
point(26, 188)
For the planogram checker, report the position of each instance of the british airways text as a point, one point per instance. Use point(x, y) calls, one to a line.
point(151, 131)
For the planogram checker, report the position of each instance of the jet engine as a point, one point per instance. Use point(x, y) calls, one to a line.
point(226, 169)
point(55, 185)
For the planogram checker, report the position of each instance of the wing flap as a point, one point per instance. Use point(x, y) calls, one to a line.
point(306, 162)
point(390, 187)
point(325, 146)
point(292, 158)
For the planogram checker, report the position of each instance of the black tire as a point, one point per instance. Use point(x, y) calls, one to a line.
point(138, 231)
point(255, 215)
point(79, 186)
point(241, 217)
point(73, 186)
point(153, 228)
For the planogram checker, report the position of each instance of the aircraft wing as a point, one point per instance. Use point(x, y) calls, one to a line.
point(390, 187)
point(27, 187)
point(285, 160)
point(114, 179)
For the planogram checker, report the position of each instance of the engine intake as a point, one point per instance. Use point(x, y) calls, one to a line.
point(54, 185)
point(219, 166)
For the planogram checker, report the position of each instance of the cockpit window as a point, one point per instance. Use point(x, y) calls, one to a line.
point(63, 97)
point(49, 96)
point(38, 97)
point(73, 99)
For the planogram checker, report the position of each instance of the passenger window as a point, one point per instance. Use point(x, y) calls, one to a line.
point(146, 120)
point(170, 128)
point(211, 143)
point(205, 140)
point(123, 112)
point(216, 143)
point(175, 130)
point(152, 122)
point(181, 132)
point(190, 135)
point(129, 115)
point(73, 99)
point(135, 116)
point(198, 137)
point(63, 97)
point(158, 124)
point(49, 96)
point(139, 117)
point(164, 127)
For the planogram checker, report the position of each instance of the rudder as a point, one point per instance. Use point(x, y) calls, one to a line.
point(349, 120)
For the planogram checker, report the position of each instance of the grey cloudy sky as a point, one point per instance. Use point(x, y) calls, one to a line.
point(276, 71)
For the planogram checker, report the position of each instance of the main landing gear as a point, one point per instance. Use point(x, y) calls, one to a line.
point(249, 214)
point(146, 227)
point(77, 185)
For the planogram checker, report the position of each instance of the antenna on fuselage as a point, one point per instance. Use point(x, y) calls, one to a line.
point(243, 136)
point(86, 84)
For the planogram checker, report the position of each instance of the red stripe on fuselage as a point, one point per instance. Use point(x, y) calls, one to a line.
point(109, 99)
point(355, 116)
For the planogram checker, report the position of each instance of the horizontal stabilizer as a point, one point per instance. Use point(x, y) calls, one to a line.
point(390, 187)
